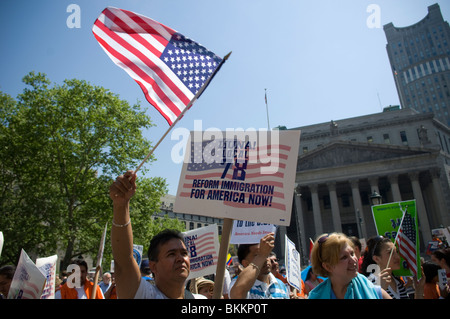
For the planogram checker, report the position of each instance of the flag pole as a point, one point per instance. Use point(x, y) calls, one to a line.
point(222, 257)
point(204, 86)
point(267, 110)
point(398, 232)
point(98, 267)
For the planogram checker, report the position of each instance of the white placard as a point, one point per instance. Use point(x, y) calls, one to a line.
point(293, 273)
point(245, 232)
point(248, 176)
point(203, 248)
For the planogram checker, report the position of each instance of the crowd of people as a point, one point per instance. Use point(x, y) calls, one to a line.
point(339, 269)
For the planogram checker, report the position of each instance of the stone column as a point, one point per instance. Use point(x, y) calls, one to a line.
point(443, 212)
point(393, 180)
point(420, 206)
point(357, 204)
point(337, 224)
point(316, 210)
point(301, 227)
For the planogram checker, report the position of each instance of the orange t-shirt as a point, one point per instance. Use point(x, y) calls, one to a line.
point(71, 293)
point(431, 291)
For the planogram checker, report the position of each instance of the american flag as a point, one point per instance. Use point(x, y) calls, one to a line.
point(242, 167)
point(169, 67)
point(406, 241)
point(205, 246)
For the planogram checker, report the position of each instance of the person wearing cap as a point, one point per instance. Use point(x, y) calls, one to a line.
point(202, 286)
point(146, 273)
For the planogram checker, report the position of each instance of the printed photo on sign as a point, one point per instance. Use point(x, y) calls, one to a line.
point(248, 176)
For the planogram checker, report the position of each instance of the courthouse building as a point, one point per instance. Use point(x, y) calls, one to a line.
point(399, 153)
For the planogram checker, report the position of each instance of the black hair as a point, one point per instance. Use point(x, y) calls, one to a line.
point(356, 242)
point(442, 254)
point(430, 270)
point(243, 251)
point(8, 271)
point(80, 262)
point(160, 239)
point(373, 248)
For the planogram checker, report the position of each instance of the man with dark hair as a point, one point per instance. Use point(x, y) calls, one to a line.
point(256, 280)
point(82, 292)
point(168, 256)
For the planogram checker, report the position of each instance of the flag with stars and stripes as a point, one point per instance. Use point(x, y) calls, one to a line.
point(169, 67)
point(398, 222)
point(407, 242)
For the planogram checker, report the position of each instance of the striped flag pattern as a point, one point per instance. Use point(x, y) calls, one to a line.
point(169, 67)
point(202, 245)
point(406, 241)
point(242, 175)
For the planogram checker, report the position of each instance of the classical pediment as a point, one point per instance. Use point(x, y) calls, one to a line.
point(342, 153)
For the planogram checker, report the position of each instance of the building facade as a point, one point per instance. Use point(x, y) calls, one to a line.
point(399, 153)
point(419, 57)
point(190, 221)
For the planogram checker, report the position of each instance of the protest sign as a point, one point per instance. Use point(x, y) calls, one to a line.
point(388, 218)
point(245, 232)
point(442, 275)
point(239, 175)
point(47, 266)
point(28, 281)
point(293, 273)
point(137, 253)
point(1, 242)
point(203, 246)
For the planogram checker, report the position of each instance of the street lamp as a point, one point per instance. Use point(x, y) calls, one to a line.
point(375, 198)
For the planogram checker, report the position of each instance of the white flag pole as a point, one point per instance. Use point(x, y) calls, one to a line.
point(99, 262)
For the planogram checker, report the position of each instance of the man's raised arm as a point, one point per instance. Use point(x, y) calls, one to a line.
point(127, 272)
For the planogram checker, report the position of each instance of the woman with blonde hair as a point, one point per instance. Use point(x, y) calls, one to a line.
point(333, 256)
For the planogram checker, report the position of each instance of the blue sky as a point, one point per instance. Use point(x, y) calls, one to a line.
point(319, 60)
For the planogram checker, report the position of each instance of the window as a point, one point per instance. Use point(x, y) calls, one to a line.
point(345, 200)
point(369, 139)
point(386, 139)
point(326, 202)
point(403, 138)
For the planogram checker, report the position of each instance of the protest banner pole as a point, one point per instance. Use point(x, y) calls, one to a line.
point(398, 232)
point(99, 262)
point(204, 86)
point(222, 258)
point(267, 109)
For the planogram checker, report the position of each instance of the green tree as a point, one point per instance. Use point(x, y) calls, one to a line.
point(61, 147)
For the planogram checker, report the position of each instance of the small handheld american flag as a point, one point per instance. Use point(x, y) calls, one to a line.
point(171, 69)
